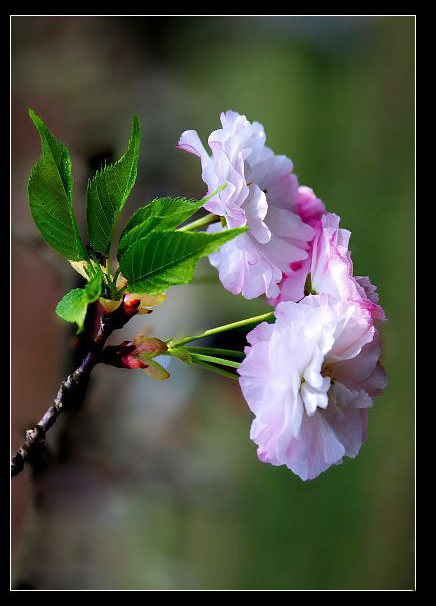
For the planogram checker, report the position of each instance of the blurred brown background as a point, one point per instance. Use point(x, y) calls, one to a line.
point(157, 485)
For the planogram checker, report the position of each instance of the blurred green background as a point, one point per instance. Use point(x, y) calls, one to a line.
point(161, 488)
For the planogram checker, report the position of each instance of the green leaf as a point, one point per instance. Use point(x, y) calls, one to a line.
point(108, 191)
point(163, 259)
point(93, 288)
point(160, 214)
point(74, 305)
point(51, 196)
point(154, 370)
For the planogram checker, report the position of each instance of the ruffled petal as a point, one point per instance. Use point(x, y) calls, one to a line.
point(308, 397)
point(260, 193)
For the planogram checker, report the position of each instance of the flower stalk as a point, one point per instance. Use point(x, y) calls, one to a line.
point(215, 331)
point(214, 360)
point(216, 350)
point(210, 218)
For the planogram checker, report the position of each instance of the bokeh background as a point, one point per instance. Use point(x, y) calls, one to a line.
point(157, 485)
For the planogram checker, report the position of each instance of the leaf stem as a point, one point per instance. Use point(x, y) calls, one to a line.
point(215, 331)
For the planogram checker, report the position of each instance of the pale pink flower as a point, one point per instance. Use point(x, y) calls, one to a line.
point(329, 270)
point(309, 206)
point(309, 379)
point(261, 193)
point(369, 297)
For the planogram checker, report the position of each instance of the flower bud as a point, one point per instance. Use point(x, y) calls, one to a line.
point(131, 306)
point(145, 349)
point(151, 346)
point(145, 301)
point(131, 361)
point(138, 353)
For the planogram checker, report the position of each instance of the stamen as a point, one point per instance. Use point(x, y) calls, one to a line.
point(326, 371)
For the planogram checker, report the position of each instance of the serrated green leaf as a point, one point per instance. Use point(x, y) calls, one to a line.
point(163, 259)
point(51, 196)
point(74, 305)
point(108, 191)
point(161, 214)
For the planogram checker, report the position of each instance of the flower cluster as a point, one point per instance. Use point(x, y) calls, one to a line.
point(310, 377)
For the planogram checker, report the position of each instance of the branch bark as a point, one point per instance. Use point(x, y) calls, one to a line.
point(73, 389)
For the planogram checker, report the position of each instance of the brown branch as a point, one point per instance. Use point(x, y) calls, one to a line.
point(73, 389)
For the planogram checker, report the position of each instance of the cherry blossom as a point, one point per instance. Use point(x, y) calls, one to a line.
point(261, 193)
point(329, 269)
point(309, 378)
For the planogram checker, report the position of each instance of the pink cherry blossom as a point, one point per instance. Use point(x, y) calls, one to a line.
point(330, 267)
point(309, 206)
point(261, 193)
point(309, 379)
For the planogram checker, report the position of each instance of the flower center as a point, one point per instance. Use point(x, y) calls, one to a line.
point(308, 289)
point(326, 371)
point(314, 388)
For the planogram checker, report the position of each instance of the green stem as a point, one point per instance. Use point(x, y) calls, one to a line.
point(217, 370)
point(214, 360)
point(216, 350)
point(210, 218)
point(215, 331)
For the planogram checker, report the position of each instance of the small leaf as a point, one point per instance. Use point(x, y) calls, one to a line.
point(93, 288)
point(82, 267)
point(160, 214)
point(51, 196)
point(109, 305)
point(108, 191)
point(74, 305)
point(164, 259)
point(155, 371)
